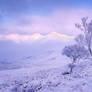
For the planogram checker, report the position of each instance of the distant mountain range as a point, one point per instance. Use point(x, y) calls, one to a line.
point(36, 36)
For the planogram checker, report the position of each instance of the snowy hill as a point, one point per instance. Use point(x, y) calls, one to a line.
point(38, 66)
point(44, 79)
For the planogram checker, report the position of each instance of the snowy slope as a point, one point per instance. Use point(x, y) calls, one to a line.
point(39, 67)
point(44, 79)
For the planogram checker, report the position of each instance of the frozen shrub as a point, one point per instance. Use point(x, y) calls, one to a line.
point(74, 52)
point(14, 89)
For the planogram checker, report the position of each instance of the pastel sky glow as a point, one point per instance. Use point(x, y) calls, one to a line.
point(27, 17)
point(34, 37)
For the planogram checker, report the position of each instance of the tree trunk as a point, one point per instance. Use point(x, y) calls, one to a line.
point(72, 65)
point(90, 51)
point(71, 70)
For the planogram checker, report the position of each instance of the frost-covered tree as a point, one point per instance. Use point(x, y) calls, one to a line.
point(80, 40)
point(86, 38)
point(75, 52)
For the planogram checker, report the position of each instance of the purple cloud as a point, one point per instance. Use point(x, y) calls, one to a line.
point(62, 21)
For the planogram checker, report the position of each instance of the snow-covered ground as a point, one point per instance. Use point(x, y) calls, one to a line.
point(39, 67)
point(43, 79)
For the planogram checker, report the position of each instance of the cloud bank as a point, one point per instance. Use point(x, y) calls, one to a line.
point(62, 21)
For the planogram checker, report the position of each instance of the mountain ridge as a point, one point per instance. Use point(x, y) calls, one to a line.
point(36, 36)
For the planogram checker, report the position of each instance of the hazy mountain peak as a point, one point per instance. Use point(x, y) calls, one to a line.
point(55, 34)
point(36, 36)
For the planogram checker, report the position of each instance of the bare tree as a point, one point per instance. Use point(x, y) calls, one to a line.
point(86, 38)
point(75, 52)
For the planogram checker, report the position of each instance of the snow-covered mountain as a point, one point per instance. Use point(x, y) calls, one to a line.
point(18, 38)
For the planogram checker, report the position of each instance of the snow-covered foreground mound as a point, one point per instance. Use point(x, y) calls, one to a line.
point(42, 79)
